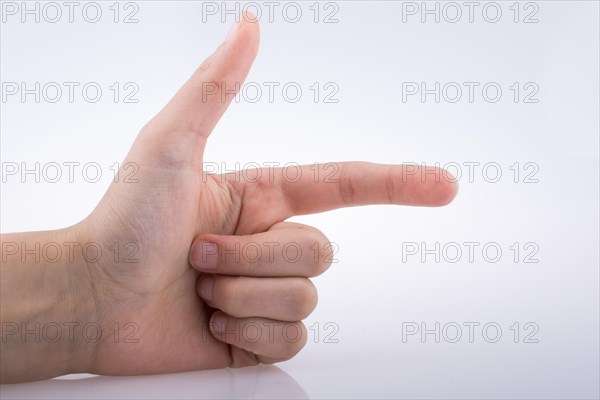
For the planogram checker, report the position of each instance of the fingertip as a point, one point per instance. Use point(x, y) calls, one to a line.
point(248, 16)
point(447, 189)
point(245, 29)
point(448, 193)
point(239, 49)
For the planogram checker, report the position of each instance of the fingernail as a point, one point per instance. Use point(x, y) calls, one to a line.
point(204, 256)
point(218, 323)
point(205, 287)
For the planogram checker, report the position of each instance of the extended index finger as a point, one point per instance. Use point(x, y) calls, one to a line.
point(359, 183)
point(316, 188)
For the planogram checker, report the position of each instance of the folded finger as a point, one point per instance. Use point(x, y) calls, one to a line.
point(285, 299)
point(286, 249)
point(269, 340)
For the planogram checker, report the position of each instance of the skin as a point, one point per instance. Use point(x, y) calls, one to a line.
point(174, 306)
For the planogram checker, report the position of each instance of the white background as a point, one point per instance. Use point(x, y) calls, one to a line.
point(376, 289)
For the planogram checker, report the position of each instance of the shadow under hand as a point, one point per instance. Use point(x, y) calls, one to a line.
point(263, 381)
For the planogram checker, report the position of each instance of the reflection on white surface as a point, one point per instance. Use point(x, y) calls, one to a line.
point(264, 381)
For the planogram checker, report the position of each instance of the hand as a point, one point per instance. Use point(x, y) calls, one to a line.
point(171, 292)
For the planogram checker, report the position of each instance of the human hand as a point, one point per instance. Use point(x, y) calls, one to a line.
point(175, 210)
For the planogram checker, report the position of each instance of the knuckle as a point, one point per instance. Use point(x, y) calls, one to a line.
point(317, 252)
point(346, 187)
point(318, 236)
point(393, 176)
point(295, 337)
point(326, 256)
point(203, 68)
point(302, 299)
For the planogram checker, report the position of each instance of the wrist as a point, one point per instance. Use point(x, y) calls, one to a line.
point(46, 300)
point(83, 326)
